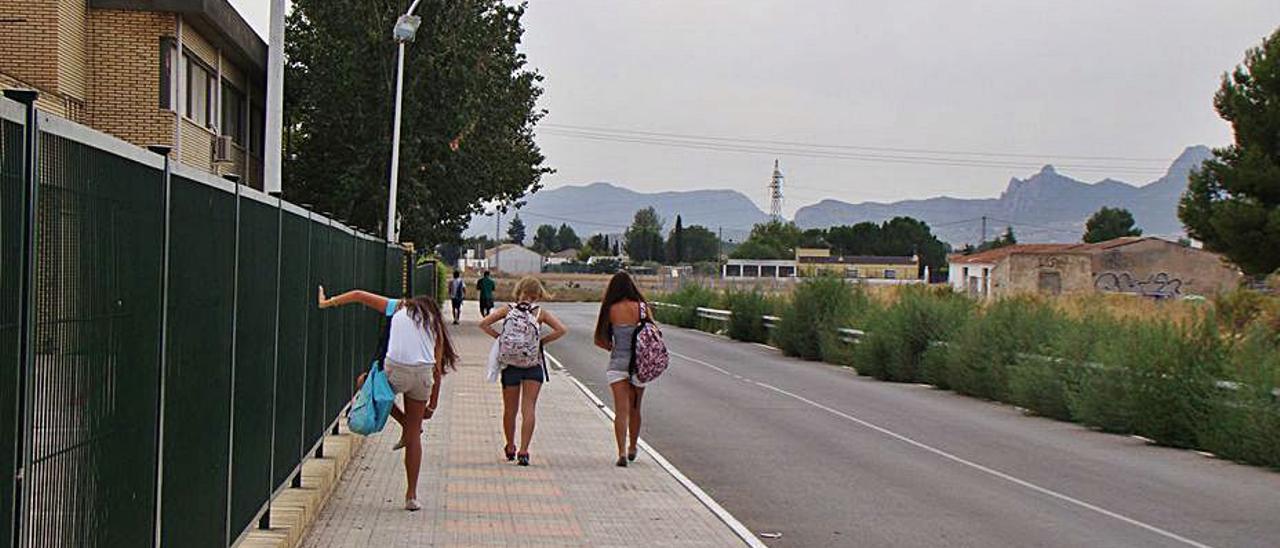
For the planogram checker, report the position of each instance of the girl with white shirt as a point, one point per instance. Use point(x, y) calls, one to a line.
point(419, 353)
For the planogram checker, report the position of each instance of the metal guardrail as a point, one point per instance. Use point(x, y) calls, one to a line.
point(850, 335)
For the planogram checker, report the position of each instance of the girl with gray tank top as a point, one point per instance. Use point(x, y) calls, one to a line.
point(615, 327)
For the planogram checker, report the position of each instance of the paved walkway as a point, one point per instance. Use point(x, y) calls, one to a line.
point(571, 495)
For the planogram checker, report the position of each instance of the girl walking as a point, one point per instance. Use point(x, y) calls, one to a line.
point(520, 357)
point(419, 353)
point(620, 314)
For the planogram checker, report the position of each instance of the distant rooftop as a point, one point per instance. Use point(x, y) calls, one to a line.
point(859, 259)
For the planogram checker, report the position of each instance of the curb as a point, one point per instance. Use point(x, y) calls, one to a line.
point(293, 510)
point(723, 515)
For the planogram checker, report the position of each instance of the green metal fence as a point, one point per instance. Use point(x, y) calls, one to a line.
point(172, 370)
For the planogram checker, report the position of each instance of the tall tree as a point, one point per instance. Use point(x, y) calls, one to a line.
point(544, 239)
point(675, 243)
point(771, 240)
point(1232, 203)
point(599, 244)
point(515, 230)
point(644, 237)
point(700, 244)
point(1110, 223)
point(469, 111)
point(566, 238)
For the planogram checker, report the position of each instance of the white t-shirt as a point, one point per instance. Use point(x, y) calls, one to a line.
point(410, 344)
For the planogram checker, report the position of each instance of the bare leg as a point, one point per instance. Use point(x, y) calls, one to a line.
point(413, 412)
point(528, 402)
point(510, 405)
point(634, 423)
point(622, 396)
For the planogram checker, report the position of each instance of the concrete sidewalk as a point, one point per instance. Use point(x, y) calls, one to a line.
point(571, 495)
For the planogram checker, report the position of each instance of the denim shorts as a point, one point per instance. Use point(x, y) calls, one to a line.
point(513, 376)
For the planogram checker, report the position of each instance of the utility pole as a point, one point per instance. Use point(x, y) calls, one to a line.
point(984, 231)
point(497, 240)
point(405, 29)
point(719, 242)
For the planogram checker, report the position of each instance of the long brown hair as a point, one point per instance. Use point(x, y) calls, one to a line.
point(621, 288)
point(422, 309)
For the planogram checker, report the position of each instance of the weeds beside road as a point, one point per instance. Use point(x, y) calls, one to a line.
point(1191, 375)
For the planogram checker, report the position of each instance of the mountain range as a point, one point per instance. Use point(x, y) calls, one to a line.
point(1045, 207)
point(608, 208)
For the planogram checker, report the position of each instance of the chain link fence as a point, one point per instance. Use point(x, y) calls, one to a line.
point(164, 370)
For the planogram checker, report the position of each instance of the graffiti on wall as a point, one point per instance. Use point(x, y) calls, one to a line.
point(1160, 285)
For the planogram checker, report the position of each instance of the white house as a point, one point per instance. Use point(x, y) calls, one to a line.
point(514, 259)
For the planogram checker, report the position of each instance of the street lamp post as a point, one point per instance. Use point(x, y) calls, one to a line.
point(405, 30)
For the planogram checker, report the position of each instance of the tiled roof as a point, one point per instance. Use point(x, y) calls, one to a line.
point(1000, 253)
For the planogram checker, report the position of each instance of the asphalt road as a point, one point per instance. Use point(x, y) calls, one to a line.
point(827, 458)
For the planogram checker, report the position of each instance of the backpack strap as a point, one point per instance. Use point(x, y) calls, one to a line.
point(385, 338)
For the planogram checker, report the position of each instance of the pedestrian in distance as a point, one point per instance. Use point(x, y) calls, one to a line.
point(522, 362)
point(485, 287)
point(457, 292)
point(419, 354)
point(620, 316)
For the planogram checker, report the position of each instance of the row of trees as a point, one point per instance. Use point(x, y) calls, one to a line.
point(645, 242)
point(900, 236)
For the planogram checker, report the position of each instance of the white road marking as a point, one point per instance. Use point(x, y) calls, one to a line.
point(738, 528)
point(963, 461)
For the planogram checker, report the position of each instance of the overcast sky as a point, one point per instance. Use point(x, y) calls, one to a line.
point(966, 93)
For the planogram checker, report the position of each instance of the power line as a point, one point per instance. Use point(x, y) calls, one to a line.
point(597, 129)
point(810, 153)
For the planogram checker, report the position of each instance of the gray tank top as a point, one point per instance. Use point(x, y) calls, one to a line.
point(620, 358)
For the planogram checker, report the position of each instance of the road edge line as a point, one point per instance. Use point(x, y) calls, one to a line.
point(723, 515)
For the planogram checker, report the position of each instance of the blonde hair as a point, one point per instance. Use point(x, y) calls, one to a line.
point(530, 289)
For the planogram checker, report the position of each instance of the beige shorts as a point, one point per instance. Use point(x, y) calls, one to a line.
point(414, 381)
point(618, 376)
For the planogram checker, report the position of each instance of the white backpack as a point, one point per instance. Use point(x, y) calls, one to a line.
point(520, 344)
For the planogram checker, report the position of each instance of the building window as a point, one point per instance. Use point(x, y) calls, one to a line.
point(233, 113)
point(750, 271)
point(733, 271)
point(257, 119)
point(851, 272)
point(769, 271)
point(890, 274)
point(168, 73)
point(786, 272)
point(200, 91)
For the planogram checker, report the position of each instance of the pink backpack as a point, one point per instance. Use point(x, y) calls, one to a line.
point(648, 353)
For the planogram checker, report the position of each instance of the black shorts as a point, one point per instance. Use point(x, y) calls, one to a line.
point(513, 376)
point(457, 302)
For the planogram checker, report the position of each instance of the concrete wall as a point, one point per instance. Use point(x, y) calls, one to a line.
point(1023, 273)
point(1160, 268)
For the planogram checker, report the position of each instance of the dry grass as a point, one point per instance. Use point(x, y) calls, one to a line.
point(565, 287)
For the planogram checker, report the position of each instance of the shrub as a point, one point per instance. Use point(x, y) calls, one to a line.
point(1150, 378)
point(898, 338)
point(747, 322)
point(1244, 424)
point(811, 311)
point(851, 313)
point(688, 298)
point(999, 340)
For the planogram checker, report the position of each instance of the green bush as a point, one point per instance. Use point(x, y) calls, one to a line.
point(1244, 424)
point(1000, 340)
point(852, 313)
point(688, 298)
point(813, 310)
point(748, 308)
point(1154, 379)
point(899, 337)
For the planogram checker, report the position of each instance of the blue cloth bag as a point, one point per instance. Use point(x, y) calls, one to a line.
point(373, 403)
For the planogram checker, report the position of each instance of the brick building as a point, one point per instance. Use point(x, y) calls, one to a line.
point(189, 74)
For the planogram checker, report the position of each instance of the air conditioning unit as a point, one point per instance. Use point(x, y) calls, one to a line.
point(222, 149)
